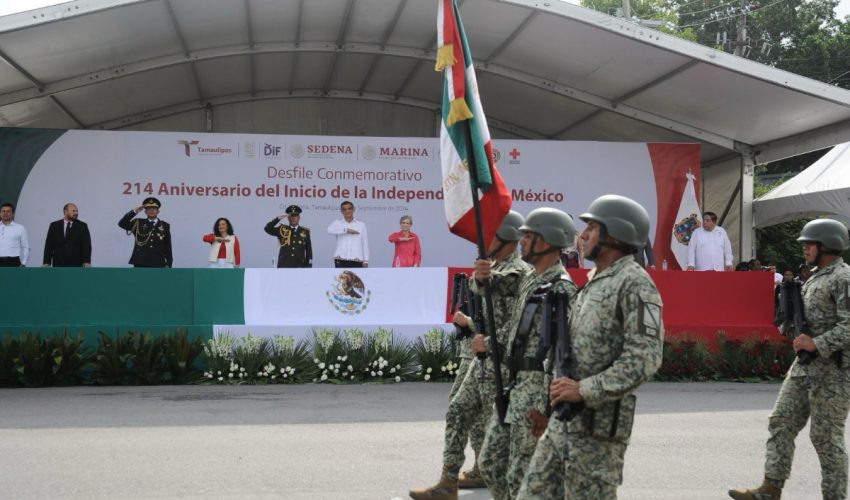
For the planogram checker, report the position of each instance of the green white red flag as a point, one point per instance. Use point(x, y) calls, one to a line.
point(464, 137)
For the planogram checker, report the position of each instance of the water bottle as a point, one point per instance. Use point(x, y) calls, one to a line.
point(664, 265)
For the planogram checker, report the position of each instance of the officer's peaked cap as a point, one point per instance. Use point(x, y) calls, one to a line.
point(293, 210)
point(151, 202)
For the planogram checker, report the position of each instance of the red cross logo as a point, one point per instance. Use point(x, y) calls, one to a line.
point(514, 154)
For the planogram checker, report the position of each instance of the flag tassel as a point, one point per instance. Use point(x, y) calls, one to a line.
point(445, 57)
point(458, 110)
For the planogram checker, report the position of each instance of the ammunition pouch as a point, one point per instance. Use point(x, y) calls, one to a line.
point(612, 420)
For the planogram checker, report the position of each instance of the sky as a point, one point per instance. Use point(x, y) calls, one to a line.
point(13, 6)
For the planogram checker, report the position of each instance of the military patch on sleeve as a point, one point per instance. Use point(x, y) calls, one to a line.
point(847, 295)
point(649, 319)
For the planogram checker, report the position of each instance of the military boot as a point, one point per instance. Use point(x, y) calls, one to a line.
point(471, 479)
point(445, 489)
point(767, 491)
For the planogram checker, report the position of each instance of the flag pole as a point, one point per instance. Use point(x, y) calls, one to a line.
point(490, 319)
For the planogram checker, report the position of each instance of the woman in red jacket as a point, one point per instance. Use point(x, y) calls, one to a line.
point(224, 246)
point(407, 250)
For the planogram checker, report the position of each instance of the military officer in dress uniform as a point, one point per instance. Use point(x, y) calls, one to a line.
point(296, 250)
point(152, 235)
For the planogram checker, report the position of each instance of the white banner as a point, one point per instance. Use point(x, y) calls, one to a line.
point(387, 296)
point(251, 179)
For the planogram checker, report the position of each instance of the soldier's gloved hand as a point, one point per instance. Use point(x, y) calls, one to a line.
point(482, 270)
point(539, 421)
point(478, 344)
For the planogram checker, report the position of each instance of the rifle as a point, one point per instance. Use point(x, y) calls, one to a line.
point(555, 345)
point(790, 317)
point(461, 296)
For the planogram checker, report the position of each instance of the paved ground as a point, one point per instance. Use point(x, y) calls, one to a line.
point(354, 442)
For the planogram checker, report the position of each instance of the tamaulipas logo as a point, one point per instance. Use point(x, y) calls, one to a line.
point(348, 294)
point(685, 228)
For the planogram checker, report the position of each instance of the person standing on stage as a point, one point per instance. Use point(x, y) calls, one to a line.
point(616, 340)
point(352, 246)
point(151, 235)
point(224, 245)
point(709, 248)
point(68, 241)
point(817, 387)
point(408, 252)
point(14, 244)
point(296, 249)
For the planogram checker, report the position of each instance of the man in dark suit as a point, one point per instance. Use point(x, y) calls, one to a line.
point(68, 242)
point(296, 249)
point(152, 236)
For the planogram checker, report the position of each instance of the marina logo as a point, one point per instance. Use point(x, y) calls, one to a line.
point(497, 155)
point(368, 152)
point(348, 294)
point(403, 153)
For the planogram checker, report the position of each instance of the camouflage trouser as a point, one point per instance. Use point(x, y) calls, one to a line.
point(594, 469)
point(522, 449)
point(827, 402)
point(544, 478)
point(493, 460)
point(468, 414)
point(460, 374)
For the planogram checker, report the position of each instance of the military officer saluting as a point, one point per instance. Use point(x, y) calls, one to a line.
point(296, 250)
point(152, 235)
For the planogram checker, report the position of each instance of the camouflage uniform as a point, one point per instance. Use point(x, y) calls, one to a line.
point(616, 335)
point(820, 389)
point(471, 406)
point(530, 390)
point(545, 475)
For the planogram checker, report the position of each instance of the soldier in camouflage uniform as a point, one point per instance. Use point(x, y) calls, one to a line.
point(820, 388)
point(616, 337)
point(472, 399)
point(544, 477)
point(508, 449)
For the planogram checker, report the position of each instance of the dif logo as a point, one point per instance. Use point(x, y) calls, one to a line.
point(271, 150)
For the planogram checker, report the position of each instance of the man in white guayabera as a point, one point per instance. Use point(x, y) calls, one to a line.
point(352, 246)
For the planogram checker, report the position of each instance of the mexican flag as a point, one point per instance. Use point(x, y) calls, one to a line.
point(464, 137)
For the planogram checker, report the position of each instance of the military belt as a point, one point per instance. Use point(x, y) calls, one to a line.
point(525, 364)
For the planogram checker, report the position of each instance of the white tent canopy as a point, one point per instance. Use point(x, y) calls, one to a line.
point(823, 188)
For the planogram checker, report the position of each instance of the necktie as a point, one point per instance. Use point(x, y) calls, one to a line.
point(67, 228)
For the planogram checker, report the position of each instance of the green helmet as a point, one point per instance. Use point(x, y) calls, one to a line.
point(509, 230)
point(831, 233)
point(623, 218)
point(555, 226)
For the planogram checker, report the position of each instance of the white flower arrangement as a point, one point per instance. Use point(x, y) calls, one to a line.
point(433, 340)
point(354, 338)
